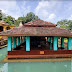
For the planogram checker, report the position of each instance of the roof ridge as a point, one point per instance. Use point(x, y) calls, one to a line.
point(39, 22)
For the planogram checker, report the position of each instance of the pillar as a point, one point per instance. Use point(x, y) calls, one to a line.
point(69, 43)
point(27, 43)
point(9, 43)
point(55, 43)
point(21, 40)
point(47, 41)
point(50, 44)
point(62, 42)
point(48, 38)
point(14, 42)
point(18, 40)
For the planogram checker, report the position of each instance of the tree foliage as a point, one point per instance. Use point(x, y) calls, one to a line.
point(11, 20)
point(67, 24)
point(0, 15)
point(29, 17)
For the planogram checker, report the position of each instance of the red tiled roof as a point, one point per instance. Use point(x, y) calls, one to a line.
point(51, 30)
point(37, 31)
point(39, 23)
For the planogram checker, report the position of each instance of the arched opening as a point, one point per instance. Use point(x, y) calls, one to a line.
point(1, 28)
point(7, 28)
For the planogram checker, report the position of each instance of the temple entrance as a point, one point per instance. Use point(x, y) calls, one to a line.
point(1, 28)
point(38, 43)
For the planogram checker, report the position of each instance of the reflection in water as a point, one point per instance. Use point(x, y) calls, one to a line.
point(60, 66)
point(4, 68)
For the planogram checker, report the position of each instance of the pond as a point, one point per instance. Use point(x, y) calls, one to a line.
point(52, 66)
point(3, 53)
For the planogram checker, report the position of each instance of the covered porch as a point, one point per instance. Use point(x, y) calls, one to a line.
point(44, 47)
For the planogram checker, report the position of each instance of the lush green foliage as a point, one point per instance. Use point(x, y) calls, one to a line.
point(9, 20)
point(29, 17)
point(0, 15)
point(67, 24)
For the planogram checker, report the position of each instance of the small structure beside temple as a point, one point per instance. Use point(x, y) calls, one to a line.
point(38, 39)
point(3, 27)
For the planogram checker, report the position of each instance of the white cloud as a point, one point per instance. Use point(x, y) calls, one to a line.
point(52, 16)
point(70, 18)
point(43, 10)
point(13, 9)
point(10, 8)
point(24, 9)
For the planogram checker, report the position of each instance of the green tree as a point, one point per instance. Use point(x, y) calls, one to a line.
point(23, 19)
point(16, 23)
point(0, 15)
point(9, 20)
point(67, 24)
point(31, 16)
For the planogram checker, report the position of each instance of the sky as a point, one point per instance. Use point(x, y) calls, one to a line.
point(51, 10)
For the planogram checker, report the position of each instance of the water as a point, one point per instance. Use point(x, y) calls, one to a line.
point(3, 53)
point(61, 66)
point(51, 66)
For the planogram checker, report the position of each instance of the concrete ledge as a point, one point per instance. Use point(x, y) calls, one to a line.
point(35, 60)
point(40, 56)
point(2, 46)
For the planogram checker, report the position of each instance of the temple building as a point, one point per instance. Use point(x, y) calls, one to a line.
point(4, 26)
point(38, 39)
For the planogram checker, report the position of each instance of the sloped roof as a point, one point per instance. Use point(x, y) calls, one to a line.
point(3, 23)
point(39, 23)
point(36, 31)
point(50, 30)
